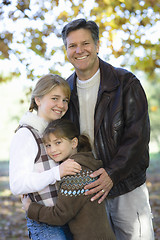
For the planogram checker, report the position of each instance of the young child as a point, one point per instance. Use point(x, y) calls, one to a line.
point(86, 219)
point(31, 170)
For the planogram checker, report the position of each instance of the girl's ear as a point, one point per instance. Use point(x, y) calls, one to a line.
point(37, 101)
point(74, 143)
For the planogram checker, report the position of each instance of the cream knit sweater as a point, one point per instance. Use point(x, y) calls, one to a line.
point(87, 95)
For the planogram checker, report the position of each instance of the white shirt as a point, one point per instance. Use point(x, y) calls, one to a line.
point(23, 152)
point(87, 95)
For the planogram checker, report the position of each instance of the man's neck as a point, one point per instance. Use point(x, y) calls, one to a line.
point(85, 75)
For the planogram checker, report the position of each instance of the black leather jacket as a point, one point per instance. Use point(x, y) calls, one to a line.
point(122, 128)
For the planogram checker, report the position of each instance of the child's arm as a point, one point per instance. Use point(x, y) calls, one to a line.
point(65, 209)
point(23, 178)
point(70, 200)
point(69, 167)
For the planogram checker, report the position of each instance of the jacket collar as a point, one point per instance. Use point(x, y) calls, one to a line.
point(108, 83)
point(109, 79)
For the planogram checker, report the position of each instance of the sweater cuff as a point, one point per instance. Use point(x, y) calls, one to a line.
point(56, 174)
point(33, 211)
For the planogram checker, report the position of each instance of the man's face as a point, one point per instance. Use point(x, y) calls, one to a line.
point(82, 53)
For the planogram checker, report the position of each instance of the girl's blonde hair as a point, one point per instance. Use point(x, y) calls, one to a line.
point(44, 85)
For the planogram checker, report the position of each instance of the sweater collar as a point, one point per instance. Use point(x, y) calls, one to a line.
point(34, 121)
point(90, 82)
point(108, 78)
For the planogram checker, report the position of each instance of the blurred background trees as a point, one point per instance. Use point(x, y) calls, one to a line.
point(31, 44)
point(128, 31)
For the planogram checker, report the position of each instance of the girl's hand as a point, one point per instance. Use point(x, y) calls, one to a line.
point(26, 201)
point(69, 167)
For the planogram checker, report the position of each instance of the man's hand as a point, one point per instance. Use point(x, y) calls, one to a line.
point(26, 201)
point(101, 186)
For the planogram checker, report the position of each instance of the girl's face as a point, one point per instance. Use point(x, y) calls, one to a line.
point(53, 105)
point(59, 149)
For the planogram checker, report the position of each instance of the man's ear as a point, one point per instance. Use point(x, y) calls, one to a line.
point(97, 46)
point(74, 143)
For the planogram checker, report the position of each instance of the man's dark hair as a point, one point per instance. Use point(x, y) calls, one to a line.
point(78, 24)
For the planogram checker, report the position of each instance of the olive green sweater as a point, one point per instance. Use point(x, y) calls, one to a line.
point(87, 220)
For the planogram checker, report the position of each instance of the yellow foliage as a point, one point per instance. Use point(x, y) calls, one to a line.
point(132, 18)
point(154, 108)
point(107, 1)
point(63, 15)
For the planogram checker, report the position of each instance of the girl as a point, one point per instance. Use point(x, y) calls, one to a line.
point(30, 168)
point(86, 219)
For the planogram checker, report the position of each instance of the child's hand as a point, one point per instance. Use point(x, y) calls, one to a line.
point(26, 201)
point(69, 167)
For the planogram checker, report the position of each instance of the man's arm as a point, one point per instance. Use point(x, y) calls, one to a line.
point(133, 142)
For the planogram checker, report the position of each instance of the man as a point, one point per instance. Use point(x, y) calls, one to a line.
point(109, 104)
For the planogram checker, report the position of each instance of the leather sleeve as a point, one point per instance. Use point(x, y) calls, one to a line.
point(133, 144)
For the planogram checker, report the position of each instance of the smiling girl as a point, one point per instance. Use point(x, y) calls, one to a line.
point(31, 170)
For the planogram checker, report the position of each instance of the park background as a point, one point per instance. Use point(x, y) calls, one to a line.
point(31, 46)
